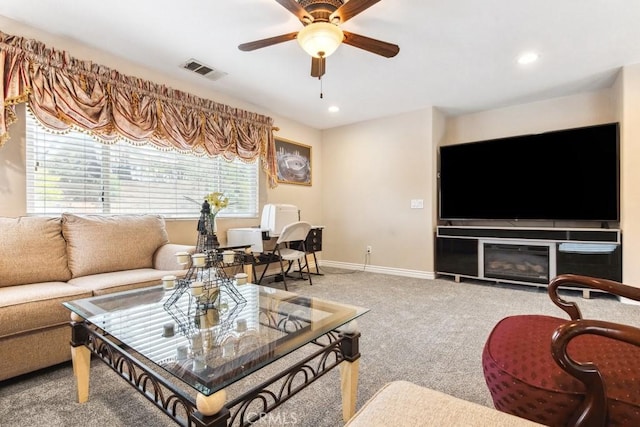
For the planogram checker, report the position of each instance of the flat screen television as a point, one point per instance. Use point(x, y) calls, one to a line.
point(568, 175)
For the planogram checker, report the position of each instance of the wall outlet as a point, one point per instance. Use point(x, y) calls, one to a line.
point(369, 249)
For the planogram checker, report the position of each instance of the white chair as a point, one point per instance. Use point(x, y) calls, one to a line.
point(295, 232)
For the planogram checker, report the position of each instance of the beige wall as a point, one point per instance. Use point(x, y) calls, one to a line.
point(584, 109)
point(371, 171)
point(13, 179)
point(630, 172)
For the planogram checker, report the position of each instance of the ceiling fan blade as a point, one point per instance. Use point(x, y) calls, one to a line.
point(388, 50)
point(351, 9)
point(267, 42)
point(318, 66)
point(294, 7)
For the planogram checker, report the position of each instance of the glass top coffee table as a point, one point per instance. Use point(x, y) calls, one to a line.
point(182, 357)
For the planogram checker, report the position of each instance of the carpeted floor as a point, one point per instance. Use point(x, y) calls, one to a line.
point(430, 332)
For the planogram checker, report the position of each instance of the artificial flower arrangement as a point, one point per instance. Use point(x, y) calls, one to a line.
point(217, 201)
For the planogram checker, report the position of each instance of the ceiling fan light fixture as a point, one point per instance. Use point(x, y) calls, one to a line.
point(320, 39)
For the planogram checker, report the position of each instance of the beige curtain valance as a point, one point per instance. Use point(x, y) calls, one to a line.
point(65, 92)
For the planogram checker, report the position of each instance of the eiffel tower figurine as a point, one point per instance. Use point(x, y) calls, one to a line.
point(216, 302)
point(207, 239)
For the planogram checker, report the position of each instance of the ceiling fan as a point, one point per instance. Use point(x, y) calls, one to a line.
point(322, 34)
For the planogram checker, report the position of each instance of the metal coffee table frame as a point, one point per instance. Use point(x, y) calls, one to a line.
point(335, 348)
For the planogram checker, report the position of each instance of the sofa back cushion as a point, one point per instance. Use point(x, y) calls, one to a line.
point(102, 244)
point(32, 250)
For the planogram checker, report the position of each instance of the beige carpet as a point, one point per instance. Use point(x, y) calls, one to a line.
point(430, 332)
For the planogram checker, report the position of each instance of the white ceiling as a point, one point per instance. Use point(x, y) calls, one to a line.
point(457, 55)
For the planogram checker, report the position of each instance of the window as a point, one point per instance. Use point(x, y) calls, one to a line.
point(73, 172)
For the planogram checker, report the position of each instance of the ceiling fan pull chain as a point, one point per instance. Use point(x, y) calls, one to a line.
point(320, 78)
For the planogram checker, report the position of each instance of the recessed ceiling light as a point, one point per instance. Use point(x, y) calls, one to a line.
point(528, 58)
point(334, 109)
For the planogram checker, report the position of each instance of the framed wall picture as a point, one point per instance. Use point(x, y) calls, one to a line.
point(293, 161)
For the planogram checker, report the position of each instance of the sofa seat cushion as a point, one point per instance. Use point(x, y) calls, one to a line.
point(106, 283)
point(524, 379)
point(404, 404)
point(39, 305)
point(101, 244)
point(33, 251)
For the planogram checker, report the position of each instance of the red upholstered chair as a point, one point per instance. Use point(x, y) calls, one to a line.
point(559, 372)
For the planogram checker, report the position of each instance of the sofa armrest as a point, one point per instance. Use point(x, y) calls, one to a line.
point(165, 256)
point(405, 404)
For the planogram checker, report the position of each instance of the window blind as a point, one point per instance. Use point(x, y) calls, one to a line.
point(73, 172)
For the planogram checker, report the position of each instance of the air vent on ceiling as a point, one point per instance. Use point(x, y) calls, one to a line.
point(202, 69)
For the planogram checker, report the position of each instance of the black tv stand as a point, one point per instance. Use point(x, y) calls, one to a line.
point(529, 256)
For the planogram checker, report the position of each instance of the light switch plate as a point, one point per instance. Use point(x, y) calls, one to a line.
point(417, 203)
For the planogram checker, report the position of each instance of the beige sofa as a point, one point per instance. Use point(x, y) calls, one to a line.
point(404, 404)
point(46, 261)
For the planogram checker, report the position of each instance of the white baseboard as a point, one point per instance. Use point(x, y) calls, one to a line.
point(379, 269)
